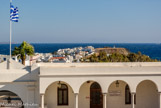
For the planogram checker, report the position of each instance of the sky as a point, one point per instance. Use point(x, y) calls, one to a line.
point(83, 21)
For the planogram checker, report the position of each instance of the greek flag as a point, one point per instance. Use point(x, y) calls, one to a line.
point(14, 13)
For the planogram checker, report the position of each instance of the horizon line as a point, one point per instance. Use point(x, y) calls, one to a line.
point(83, 43)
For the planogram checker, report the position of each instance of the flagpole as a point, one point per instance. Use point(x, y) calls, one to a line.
point(10, 35)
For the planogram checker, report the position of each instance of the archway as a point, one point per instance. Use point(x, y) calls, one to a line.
point(147, 95)
point(90, 95)
point(9, 99)
point(59, 94)
point(119, 95)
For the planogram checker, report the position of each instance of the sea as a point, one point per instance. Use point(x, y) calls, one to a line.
point(151, 49)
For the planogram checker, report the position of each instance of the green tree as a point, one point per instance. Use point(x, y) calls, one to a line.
point(23, 50)
point(116, 57)
point(93, 58)
point(133, 57)
point(103, 56)
point(138, 57)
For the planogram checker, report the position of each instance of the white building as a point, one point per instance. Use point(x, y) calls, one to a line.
point(82, 85)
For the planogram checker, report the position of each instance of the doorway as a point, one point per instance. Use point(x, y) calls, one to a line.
point(96, 97)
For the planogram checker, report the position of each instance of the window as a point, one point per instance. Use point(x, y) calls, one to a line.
point(127, 95)
point(62, 95)
point(4, 59)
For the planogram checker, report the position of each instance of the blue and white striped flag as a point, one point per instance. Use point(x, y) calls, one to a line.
point(14, 13)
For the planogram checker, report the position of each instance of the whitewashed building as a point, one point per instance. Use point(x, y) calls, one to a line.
point(81, 85)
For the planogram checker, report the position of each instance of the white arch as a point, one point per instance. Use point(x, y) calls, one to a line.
point(149, 81)
point(92, 83)
point(104, 84)
point(121, 81)
point(15, 92)
point(74, 83)
point(57, 82)
point(44, 84)
point(98, 81)
point(51, 94)
point(147, 94)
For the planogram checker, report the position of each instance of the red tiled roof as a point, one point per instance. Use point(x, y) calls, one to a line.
point(57, 58)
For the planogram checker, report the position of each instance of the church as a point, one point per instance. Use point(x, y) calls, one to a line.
point(80, 85)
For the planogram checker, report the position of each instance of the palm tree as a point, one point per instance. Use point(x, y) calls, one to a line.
point(23, 50)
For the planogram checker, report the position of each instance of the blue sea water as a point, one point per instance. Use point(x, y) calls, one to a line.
point(152, 50)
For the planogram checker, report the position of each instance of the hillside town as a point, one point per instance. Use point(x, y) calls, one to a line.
point(67, 55)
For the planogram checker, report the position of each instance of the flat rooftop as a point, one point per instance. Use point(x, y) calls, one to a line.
point(128, 68)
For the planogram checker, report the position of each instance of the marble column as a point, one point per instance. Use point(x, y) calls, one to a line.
point(76, 100)
point(159, 93)
point(104, 100)
point(133, 99)
point(42, 100)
